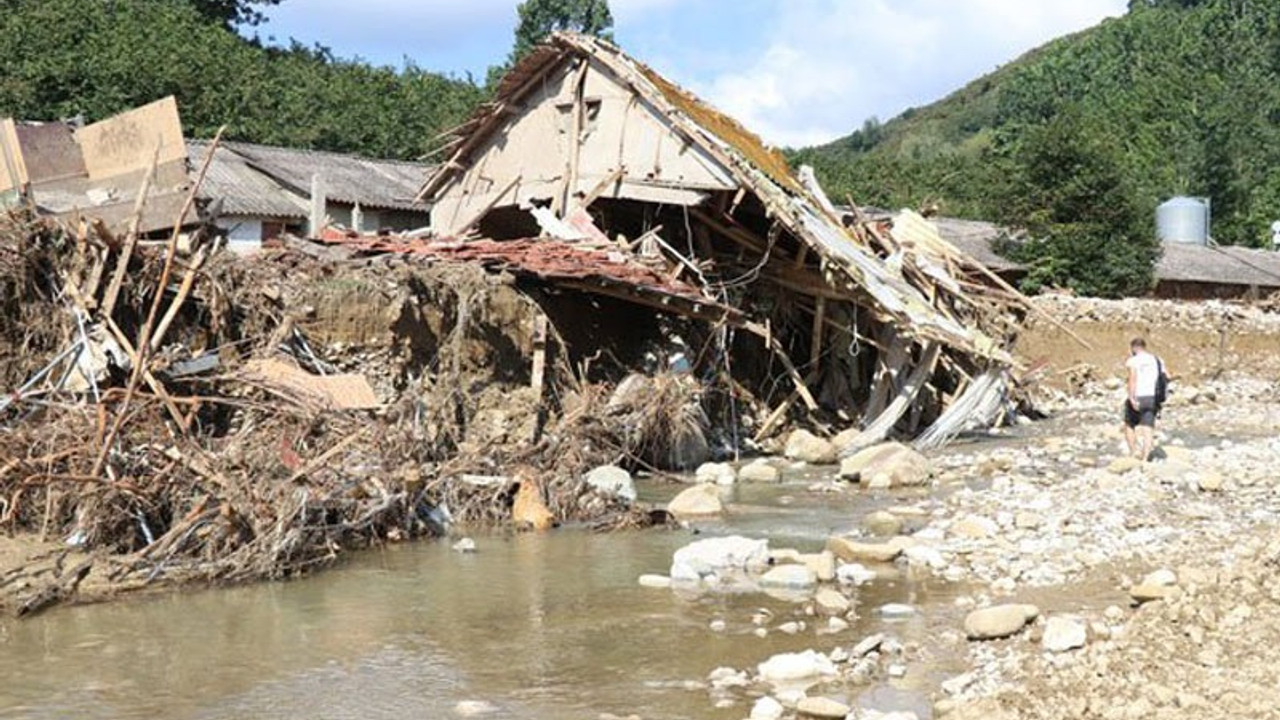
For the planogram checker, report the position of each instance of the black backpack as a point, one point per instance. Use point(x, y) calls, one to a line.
point(1162, 384)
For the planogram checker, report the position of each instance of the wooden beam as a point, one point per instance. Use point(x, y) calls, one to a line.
point(781, 354)
point(477, 217)
point(611, 180)
point(575, 139)
point(815, 343)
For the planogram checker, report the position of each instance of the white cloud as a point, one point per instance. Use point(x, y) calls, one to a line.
point(830, 64)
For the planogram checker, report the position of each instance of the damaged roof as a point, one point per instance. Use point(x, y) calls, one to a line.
point(752, 165)
point(242, 189)
point(350, 179)
point(565, 263)
point(1218, 265)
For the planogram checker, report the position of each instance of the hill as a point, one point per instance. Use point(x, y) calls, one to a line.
point(63, 58)
point(1087, 134)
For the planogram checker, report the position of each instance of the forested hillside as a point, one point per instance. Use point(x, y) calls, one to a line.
point(1082, 138)
point(62, 58)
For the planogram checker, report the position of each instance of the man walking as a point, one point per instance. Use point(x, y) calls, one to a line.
point(1142, 403)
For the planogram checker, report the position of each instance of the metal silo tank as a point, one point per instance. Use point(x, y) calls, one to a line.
point(1183, 220)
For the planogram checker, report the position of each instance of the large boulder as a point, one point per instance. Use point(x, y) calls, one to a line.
point(888, 465)
point(697, 501)
point(705, 557)
point(823, 708)
point(759, 471)
point(794, 577)
point(716, 474)
point(804, 446)
point(790, 667)
point(612, 480)
point(999, 621)
point(1063, 633)
point(850, 550)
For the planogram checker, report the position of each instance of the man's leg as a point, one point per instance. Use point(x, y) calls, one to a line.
point(1131, 439)
point(1146, 440)
point(1128, 421)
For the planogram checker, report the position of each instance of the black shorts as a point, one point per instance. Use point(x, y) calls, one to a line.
point(1144, 415)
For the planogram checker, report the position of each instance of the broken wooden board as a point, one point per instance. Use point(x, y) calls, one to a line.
point(329, 392)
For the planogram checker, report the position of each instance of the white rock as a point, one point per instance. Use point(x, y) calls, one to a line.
point(766, 708)
point(788, 667)
point(923, 555)
point(655, 581)
point(727, 677)
point(975, 528)
point(1161, 578)
point(612, 480)
point(822, 564)
point(897, 610)
point(717, 626)
point(474, 708)
point(851, 550)
point(790, 697)
point(825, 708)
point(806, 447)
point(831, 602)
point(760, 471)
point(854, 574)
point(867, 645)
point(699, 500)
point(887, 465)
point(1064, 633)
point(704, 557)
point(789, 576)
point(716, 474)
point(883, 523)
point(998, 621)
point(836, 625)
point(465, 545)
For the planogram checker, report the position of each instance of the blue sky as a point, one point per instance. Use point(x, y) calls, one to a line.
point(797, 71)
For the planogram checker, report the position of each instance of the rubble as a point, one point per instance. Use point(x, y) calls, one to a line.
point(254, 418)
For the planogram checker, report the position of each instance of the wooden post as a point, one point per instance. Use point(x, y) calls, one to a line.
point(538, 376)
point(318, 209)
point(819, 326)
point(357, 219)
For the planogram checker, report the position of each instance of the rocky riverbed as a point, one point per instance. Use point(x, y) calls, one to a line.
point(1088, 585)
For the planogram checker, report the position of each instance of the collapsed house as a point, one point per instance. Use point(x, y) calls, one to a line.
point(875, 325)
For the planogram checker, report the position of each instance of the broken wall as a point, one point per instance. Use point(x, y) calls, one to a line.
point(620, 130)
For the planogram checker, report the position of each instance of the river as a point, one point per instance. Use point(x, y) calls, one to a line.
point(532, 626)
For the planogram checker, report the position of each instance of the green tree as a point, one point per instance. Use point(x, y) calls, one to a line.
point(1068, 188)
point(1176, 97)
point(61, 58)
point(540, 18)
point(233, 12)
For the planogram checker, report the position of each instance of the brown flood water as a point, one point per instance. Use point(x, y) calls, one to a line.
point(551, 626)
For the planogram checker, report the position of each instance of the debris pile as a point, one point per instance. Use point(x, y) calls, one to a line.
point(654, 290)
point(187, 414)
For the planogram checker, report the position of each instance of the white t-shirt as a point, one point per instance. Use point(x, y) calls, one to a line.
point(1147, 368)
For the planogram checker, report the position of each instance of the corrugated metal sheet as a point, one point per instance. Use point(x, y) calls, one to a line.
point(242, 189)
point(351, 179)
